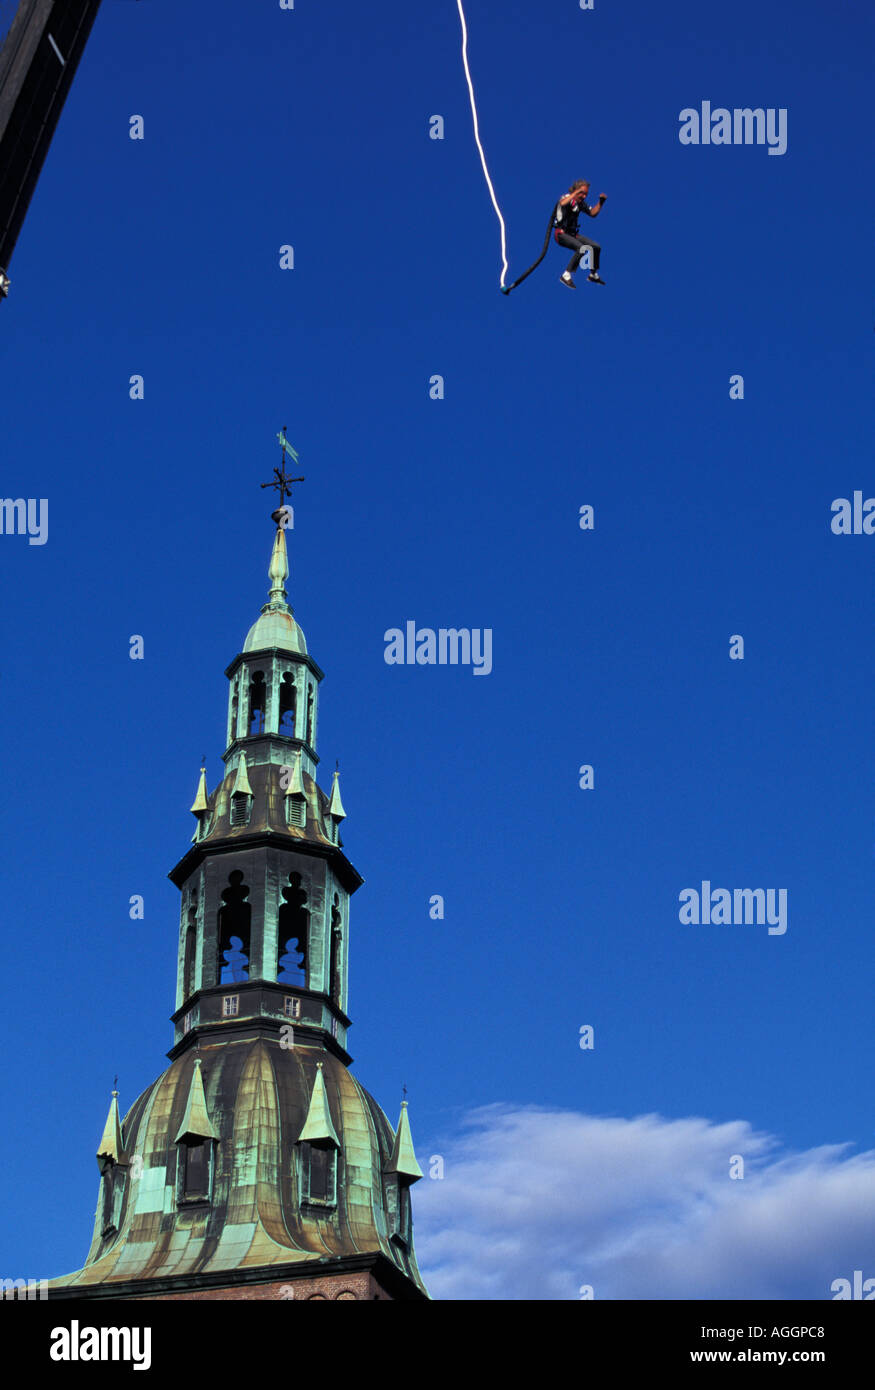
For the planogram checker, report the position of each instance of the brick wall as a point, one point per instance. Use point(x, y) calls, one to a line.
point(332, 1286)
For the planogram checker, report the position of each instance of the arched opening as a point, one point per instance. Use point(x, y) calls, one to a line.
point(235, 917)
point(310, 716)
point(287, 707)
point(190, 948)
point(294, 928)
point(335, 971)
point(257, 704)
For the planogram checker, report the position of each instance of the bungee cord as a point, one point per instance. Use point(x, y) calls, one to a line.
point(480, 148)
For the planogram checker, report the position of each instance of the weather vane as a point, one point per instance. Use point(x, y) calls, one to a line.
point(281, 480)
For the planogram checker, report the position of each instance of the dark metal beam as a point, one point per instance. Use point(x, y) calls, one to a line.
point(38, 62)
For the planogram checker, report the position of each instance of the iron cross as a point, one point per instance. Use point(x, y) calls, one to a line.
point(281, 480)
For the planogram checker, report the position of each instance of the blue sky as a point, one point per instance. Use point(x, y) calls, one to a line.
point(610, 647)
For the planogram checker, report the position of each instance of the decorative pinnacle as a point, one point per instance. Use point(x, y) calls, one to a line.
point(335, 805)
point(200, 803)
point(278, 569)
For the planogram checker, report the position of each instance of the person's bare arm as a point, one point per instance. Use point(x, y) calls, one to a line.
point(594, 212)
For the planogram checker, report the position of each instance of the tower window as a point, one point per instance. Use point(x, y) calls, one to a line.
point(287, 706)
point(240, 803)
point(297, 810)
point(112, 1194)
point(257, 704)
point(235, 916)
point(294, 930)
point(334, 972)
point(235, 705)
point(318, 1174)
point(291, 1007)
point(231, 1006)
point(196, 1176)
point(402, 1234)
point(188, 967)
point(194, 1170)
point(310, 716)
point(334, 1028)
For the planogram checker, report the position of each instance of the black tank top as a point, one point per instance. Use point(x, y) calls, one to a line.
point(567, 215)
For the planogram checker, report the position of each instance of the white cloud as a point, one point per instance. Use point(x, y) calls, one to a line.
point(537, 1202)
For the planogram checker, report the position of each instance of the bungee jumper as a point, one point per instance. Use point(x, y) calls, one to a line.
point(568, 211)
point(564, 227)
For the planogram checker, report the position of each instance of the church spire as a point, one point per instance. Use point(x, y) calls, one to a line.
point(266, 883)
point(279, 1142)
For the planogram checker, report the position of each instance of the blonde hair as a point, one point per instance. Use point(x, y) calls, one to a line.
point(578, 183)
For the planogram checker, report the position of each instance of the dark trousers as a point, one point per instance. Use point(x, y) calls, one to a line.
point(580, 243)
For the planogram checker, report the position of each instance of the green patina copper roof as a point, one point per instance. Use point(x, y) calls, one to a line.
point(268, 810)
point(260, 1097)
point(276, 629)
point(196, 1122)
point(110, 1145)
point(317, 1126)
point(403, 1160)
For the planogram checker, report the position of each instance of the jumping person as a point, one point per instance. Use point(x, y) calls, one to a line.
point(565, 220)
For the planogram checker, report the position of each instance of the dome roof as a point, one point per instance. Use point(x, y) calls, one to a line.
point(276, 628)
point(257, 1098)
point(268, 811)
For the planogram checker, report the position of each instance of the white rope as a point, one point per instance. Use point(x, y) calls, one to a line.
point(479, 146)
